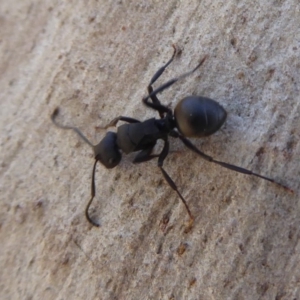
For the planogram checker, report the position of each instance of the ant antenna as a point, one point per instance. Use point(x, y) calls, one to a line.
point(84, 138)
point(53, 117)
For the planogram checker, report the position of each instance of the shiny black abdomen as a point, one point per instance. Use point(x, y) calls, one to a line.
point(197, 116)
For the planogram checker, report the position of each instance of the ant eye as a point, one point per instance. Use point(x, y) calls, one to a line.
point(113, 161)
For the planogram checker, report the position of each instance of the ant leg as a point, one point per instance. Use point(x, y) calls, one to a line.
point(192, 147)
point(155, 77)
point(171, 183)
point(162, 109)
point(163, 68)
point(145, 155)
point(114, 122)
point(156, 101)
point(159, 107)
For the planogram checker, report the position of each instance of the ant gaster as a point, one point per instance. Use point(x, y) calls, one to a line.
point(194, 116)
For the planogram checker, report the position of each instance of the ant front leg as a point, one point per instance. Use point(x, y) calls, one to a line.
point(145, 155)
point(114, 122)
point(172, 184)
point(155, 77)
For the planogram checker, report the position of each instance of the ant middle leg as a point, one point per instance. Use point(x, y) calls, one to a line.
point(145, 155)
point(172, 184)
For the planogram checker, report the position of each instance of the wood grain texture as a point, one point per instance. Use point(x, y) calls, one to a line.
point(94, 60)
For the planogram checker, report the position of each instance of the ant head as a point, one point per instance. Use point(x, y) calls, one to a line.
point(107, 151)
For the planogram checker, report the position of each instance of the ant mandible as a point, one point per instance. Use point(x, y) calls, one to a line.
point(194, 116)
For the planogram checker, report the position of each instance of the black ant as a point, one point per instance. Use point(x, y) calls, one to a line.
point(194, 116)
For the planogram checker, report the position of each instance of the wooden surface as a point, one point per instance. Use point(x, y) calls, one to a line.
point(94, 60)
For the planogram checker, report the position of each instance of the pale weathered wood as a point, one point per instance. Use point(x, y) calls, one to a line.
point(94, 59)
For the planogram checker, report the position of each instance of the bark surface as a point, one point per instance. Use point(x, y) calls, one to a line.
point(94, 59)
